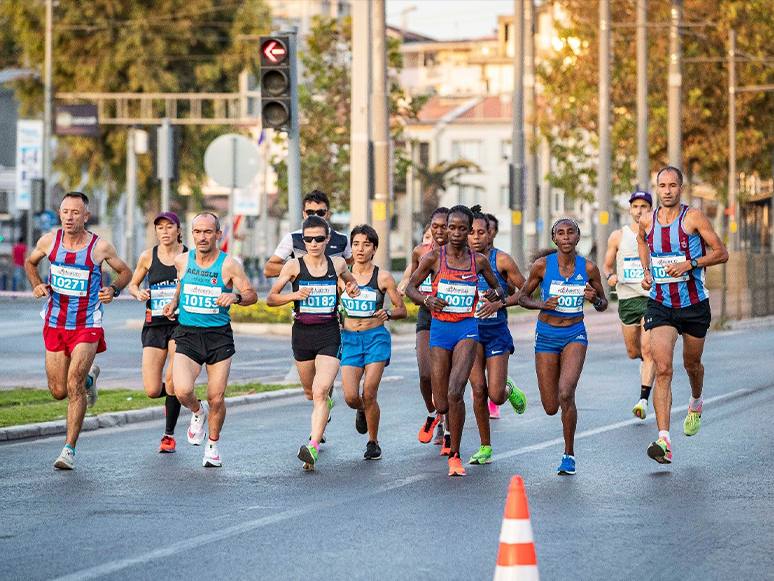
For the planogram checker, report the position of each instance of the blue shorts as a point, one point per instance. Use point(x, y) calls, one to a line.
point(446, 335)
point(359, 348)
point(550, 339)
point(496, 339)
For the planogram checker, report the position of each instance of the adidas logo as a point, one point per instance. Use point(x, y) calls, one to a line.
point(579, 277)
point(581, 336)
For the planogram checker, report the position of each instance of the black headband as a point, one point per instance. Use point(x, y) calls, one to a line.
point(560, 220)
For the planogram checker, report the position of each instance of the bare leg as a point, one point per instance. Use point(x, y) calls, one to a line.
point(425, 365)
point(462, 362)
point(648, 373)
point(326, 369)
point(350, 385)
point(217, 379)
point(152, 366)
point(693, 347)
point(81, 360)
point(571, 366)
point(373, 376)
point(185, 372)
point(662, 343)
point(479, 387)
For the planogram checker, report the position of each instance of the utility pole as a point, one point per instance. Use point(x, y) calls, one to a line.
point(674, 101)
point(732, 232)
point(294, 140)
point(47, 92)
point(517, 141)
point(380, 133)
point(544, 236)
point(360, 135)
point(165, 159)
point(131, 194)
point(643, 154)
point(603, 177)
point(529, 119)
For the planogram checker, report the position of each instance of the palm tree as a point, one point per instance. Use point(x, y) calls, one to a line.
point(439, 177)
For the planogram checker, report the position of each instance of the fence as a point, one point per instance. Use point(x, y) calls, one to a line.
point(749, 286)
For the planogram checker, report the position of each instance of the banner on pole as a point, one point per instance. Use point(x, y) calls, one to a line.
point(29, 160)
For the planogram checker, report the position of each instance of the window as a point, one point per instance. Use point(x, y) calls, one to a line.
point(506, 149)
point(468, 195)
point(505, 196)
point(467, 149)
point(430, 59)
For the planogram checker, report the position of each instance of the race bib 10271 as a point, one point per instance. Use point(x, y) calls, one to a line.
point(70, 279)
point(633, 273)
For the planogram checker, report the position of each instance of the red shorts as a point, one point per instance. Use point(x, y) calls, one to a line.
point(66, 339)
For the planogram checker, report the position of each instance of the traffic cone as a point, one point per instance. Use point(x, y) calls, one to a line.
point(516, 559)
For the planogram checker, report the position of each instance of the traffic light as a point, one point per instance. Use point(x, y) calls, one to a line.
point(276, 82)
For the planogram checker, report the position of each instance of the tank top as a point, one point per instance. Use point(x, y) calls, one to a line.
point(569, 290)
point(426, 288)
point(500, 316)
point(370, 299)
point(199, 289)
point(162, 283)
point(671, 244)
point(75, 281)
point(459, 288)
point(320, 306)
point(629, 267)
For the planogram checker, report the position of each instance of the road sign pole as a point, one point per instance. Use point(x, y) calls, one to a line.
point(165, 156)
point(131, 195)
point(294, 142)
point(516, 168)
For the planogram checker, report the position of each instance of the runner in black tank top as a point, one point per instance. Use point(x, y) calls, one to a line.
point(158, 264)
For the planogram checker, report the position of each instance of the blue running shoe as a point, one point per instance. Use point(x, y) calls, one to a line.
point(567, 467)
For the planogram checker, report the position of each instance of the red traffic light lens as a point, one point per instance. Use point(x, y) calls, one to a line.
point(274, 51)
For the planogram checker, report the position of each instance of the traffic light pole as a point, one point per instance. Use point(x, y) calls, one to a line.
point(516, 168)
point(380, 132)
point(294, 143)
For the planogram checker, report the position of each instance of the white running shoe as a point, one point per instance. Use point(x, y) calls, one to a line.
point(66, 460)
point(197, 431)
point(211, 455)
point(91, 392)
point(641, 409)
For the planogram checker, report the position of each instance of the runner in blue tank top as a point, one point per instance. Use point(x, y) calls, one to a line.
point(673, 244)
point(209, 282)
point(566, 280)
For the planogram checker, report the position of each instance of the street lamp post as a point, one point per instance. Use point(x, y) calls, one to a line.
point(603, 175)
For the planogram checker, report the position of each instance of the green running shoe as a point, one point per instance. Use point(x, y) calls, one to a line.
point(308, 455)
point(483, 456)
point(661, 451)
point(692, 422)
point(516, 397)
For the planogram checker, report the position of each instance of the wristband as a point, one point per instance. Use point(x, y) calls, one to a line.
point(389, 315)
point(609, 275)
point(424, 302)
point(598, 303)
point(116, 292)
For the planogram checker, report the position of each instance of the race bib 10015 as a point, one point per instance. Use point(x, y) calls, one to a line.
point(570, 296)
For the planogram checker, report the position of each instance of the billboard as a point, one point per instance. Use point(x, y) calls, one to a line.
point(29, 160)
point(80, 120)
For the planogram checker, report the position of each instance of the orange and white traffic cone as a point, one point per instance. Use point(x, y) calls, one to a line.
point(516, 559)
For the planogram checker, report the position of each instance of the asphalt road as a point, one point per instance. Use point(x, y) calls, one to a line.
point(129, 512)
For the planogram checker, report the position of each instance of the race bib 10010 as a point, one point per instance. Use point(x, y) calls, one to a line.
point(459, 296)
point(322, 299)
point(200, 299)
point(659, 263)
point(70, 279)
point(570, 296)
point(361, 306)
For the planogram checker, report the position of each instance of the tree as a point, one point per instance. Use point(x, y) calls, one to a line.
point(440, 177)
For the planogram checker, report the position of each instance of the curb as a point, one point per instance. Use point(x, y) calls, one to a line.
point(113, 419)
point(753, 323)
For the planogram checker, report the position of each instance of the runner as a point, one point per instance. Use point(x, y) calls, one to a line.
point(623, 270)
point(366, 343)
point(565, 280)
point(316, 336)
point(495, 341)
point(439, 236)
point(158, 264)
point(315, 203)
point(454, 332)
point(72, 331)
point(209, 282)
point(673, 243)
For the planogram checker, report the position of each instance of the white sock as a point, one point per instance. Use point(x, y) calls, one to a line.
point(664, 434)
point(694, 404)
point(446, 433)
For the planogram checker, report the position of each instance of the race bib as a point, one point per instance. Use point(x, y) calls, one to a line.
point(200, 299)
point(459, 295)
point(363, 305)
point(160, 296)
point(322, 299)
point(479, 306)
point(70, 279)
point(426, 288)
point(658, 264)
point(633, 272)
point(570, 296)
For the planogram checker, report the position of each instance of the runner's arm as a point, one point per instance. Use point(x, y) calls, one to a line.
point(169, 309)
point(289, 272)
point(594, 293)
point(513, 277)
point(387, 286)
point(235, 273)
point(642, 247)
point(427, 266)
point(496, 293)
point(143, 264)
point(39, 288)
point(612, 251)
point(536, 274)
point(281, 254)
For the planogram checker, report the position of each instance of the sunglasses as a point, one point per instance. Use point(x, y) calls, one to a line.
point(317, 239)
point(320, 213)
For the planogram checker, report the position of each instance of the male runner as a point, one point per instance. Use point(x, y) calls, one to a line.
point(673, 243)
point(72, 330)
point(623, 270)
point(207, 278)
point(315, 203)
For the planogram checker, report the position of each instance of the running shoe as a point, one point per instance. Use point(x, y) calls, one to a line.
point(91, 392)
point(322, 440)
point(494, 411)
point(483, 456)
point(641, 409)
point(439, 435)
point(373, 451)
point(567, 467)
point(692, 422)
point(426, 431)
point(211, 456)
point(661, 451)
point(167, 445)
point(332, 398)
point(455, 465)
point(516, 397)
point(308, 455)
point(446, 450)
point(66, 460)
point(196, 430)
point(361, 424)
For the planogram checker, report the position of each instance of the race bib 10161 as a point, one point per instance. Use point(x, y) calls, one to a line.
point(361, 306)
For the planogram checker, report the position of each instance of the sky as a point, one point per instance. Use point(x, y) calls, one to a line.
point(449, 19)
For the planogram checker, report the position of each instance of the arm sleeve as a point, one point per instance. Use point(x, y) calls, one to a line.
point(285, 247)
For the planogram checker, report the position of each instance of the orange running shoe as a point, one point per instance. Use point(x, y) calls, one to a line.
point(167, 445)
point(455, 465)
point(446, 449)
point(426, 431)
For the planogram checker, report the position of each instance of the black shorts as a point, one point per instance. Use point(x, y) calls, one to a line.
point(158, 336)
point(694, 320)
point(208, 345)
point(424, 318)
point(309, 341)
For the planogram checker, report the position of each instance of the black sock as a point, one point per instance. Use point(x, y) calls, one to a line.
point(645, 391)
point(172, 405)
point(163, 390)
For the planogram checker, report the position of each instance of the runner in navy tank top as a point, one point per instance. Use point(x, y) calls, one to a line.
point(72, 331)
point(672, 244)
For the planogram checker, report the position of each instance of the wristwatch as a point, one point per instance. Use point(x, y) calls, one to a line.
point(389, 315)
point(116, 292)
point(609, 275)
point(694, 263)
point(598, 303)
point(238, 299)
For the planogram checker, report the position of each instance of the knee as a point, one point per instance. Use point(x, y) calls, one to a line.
point(664, 368)
point(456, 396)
point(479, 391)
point(153, 390)
point(369, 399)
point(634, 352)
point(216, 401)
point(59, 392)
point(551, 408)
point(567, 397)
point(353, 400)
point(694, 368)
point(319, 394)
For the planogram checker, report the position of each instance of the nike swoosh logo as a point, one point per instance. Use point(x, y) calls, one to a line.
point(467, 276)
point(471, 336)
point(496, 352)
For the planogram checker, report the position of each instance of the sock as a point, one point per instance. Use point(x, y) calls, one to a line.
point(163, 390)
point(446, 433)
point(664, 434)
point(172, 405)
point(211, 441)
point(315, 445)
point(71, 448)
point(645, 391)
point(694, 404)
point(89, 381)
